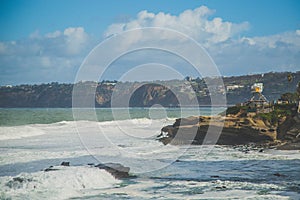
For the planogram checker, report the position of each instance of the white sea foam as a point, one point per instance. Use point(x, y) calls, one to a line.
point(132, 143)
point(201, 190)
point(38, 142)
point(29, 155)
point(112, 141)
point(18, 132)
point(64, 183)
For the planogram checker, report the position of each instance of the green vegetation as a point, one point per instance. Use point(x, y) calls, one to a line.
point(279, 112)
point(235, 110)
point(272, 117)
point(290, 97)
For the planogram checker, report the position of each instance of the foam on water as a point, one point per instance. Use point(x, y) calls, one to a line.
point(64, 183)
point(29, 155)
point(18, 132)
point(154, 189)
point(182, 172)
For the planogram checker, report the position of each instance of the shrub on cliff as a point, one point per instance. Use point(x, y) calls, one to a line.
point(279, 112)
point(234, 110)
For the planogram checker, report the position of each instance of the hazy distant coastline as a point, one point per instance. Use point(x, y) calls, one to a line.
point(59, 95)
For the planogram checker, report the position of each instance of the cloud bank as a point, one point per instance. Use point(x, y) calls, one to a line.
point(44, 58)
point(56, 56)
point(233, 53)
point(195, 23)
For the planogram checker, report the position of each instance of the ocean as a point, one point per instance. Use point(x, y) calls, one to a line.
point(31, 140)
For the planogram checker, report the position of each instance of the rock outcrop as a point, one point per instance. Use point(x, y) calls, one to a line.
point(117, 170)
point(289, 134)
point(228, 130)
point(237, 129)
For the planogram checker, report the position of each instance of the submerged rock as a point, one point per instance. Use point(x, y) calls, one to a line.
point(117, 170)
point(65, 163)
point(279, 175)
point(50, 169)
point(17, 182)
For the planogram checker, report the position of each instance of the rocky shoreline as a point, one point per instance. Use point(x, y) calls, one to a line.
point(237, 129)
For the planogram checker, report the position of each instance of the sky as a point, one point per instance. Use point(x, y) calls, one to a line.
point(47, 41)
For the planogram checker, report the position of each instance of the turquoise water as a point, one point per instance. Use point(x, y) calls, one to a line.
point(23, 116)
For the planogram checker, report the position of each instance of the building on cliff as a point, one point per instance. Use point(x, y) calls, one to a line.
point(258, 103)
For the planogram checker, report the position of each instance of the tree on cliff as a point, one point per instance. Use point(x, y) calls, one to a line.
point(292, 97)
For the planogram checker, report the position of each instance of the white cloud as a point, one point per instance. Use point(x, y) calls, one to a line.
point(35, 34)
point(50, 56)
point(76, 39)
point(72, 42)
point(194, 23)
point(224, 40)
point(53, 34)
point(279, 52)
point(274, 41)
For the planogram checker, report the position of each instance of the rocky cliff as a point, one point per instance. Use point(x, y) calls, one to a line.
point(151, 94)
point(147, 94)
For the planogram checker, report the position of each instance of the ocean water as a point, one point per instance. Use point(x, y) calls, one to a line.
point(34, 139)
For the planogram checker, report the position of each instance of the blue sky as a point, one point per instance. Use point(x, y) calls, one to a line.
point(29, 28)
point(20, 18)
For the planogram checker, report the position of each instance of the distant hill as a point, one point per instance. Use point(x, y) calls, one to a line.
point(165, 93)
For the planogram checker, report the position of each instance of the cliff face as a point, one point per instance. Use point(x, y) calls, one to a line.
point(151, 94)
point(44, 95)
point(60, 95)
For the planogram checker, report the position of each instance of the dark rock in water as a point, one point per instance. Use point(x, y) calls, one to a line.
point(116, 169)
point(221, 187)
point(188, 121)
point(19, 179)
point(261, 151)
point(279, 175)
point(50, 169)
point(65, 163)
point(17, 182)
point(246, 151)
